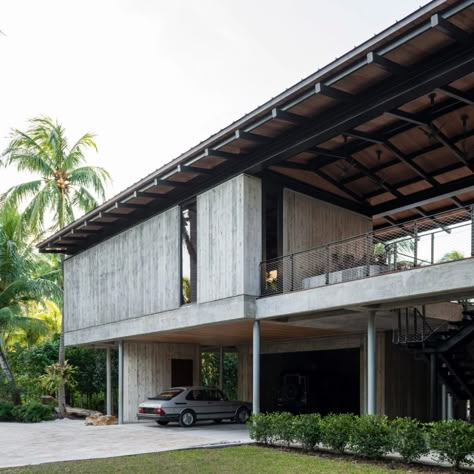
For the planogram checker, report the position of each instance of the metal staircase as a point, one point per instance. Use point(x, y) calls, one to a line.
point(451, 343)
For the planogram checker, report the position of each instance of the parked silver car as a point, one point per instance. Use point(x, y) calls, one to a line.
point(187, 405)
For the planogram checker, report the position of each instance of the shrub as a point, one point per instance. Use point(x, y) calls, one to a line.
point(260, 428)
point(372, 437)
point(6, 410)
point(336, 431)
point(282, 429)
point(307, 430)
point(32, 412)
point(409, 439)
point(454, 441)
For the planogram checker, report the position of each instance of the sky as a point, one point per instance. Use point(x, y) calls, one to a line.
point(152, 78)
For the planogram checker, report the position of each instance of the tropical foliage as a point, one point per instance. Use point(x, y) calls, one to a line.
point(31, 283)
point(64, 184)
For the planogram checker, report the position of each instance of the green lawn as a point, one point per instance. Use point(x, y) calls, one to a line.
point(242, 459)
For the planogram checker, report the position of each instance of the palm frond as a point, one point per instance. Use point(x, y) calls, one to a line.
point(90, 177)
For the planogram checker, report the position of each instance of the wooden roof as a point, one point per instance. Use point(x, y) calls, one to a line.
point(386, 130)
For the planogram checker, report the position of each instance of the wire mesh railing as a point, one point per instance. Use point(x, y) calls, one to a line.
point(402, 247)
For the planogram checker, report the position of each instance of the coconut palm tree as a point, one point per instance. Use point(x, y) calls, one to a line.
point(20, 282)
point(65, 184)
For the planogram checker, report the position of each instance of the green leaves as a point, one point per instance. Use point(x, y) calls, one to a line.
point(409, 439)
point(454, 441)
point(64, 181)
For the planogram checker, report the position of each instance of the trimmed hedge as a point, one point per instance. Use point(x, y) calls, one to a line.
point(368, 436)
point(453, 441)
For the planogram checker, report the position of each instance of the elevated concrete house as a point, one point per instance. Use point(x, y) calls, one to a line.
point(307, 237)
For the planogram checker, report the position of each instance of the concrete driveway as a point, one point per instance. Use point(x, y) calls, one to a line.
point(66, 440)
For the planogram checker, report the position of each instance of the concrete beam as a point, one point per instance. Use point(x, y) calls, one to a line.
point(447, 280)
point(187, 316)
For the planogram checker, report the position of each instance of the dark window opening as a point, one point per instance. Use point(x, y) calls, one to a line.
point(182, 372)
point(272, 221)
point(189, 253)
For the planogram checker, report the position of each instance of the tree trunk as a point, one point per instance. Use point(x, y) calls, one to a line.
point(62, 358)
point(9, 375)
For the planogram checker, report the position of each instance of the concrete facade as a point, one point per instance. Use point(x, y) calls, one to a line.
point(128, 289)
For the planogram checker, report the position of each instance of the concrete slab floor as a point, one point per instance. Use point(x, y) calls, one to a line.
point(66, 440)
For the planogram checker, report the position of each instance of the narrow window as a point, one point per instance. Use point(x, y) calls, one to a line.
point(189, 253)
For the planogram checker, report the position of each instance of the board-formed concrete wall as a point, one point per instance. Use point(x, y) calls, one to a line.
point(229, 239)
point(133, 274)
point(147, 371)
point(309, 222)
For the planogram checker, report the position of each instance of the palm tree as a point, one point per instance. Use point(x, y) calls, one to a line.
point(65, 184)
point(20, 282)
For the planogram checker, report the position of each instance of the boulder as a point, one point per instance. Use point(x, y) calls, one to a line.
point(72, 412)
point(101, 420)
point(47, 400)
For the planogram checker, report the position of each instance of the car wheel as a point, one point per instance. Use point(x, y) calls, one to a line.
point(187, 418)
point(242, 415)
point(162, 423)
point(218, 420)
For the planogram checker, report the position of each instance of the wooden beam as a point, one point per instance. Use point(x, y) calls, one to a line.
point(427, 196)
point(193, 169)
point(457, 94)
point(327, 196)
point(290, 117)
point(383, 63)
point(364, 136)
point(449, 29)
point(209, 153)
point(250, 137)
point(333, 93)
point(148, 195)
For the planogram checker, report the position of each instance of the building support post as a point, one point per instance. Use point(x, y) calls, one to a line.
point(221, 367)
point(108, 376)
point(120, 382)
point(256, 368)
point(444, 397)
point(371, 340)
point(450, 407)
point(433, 387)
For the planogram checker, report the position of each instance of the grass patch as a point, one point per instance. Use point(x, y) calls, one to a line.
point(232, 460)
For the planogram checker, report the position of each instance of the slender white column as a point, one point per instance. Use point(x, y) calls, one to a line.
point(120, 382)
point(371, 335)
point(108, 376)
point(221, 367)
point(256, 367)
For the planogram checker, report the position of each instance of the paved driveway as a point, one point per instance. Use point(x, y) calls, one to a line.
point(65, 440)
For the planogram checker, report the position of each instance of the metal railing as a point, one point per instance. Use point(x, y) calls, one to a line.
point(396, 248)
point(413, 328)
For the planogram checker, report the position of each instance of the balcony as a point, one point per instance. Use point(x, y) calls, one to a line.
point(418, 243)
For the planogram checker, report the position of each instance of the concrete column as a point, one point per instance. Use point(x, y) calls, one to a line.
point(371, 349)
point(433, 387)
point(444, 398)
point(221, 367)
point(120, 382)
point(256, 367)
point(108, 376)
point(450, 410)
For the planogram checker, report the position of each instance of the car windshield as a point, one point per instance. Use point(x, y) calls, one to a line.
point(167, 394)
